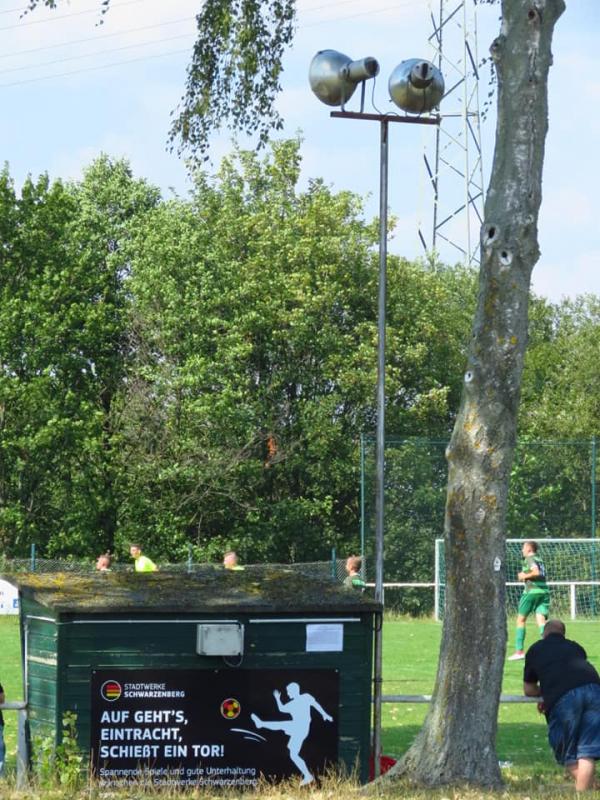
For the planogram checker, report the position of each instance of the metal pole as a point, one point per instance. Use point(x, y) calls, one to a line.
point(436, 580)
point(22, 750)
point(380, 448)
point(362, 497)
point(465, 100)
point(384, 121)
point(333, 563)
point(22, 740)
point(33, 557)
point(190, 560)
point(594, 456)
point(436, 176)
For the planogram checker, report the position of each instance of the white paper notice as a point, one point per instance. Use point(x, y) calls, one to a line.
point(325, 638)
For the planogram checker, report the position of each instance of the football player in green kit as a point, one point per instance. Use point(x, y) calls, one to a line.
point(535, 598)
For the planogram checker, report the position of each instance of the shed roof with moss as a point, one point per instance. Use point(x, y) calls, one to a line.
point(262, 589)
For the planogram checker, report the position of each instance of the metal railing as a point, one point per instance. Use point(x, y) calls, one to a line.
point(572, 585)
point(426, 698)
point(22, 744)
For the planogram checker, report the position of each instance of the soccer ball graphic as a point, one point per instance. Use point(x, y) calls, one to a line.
point(230, 708)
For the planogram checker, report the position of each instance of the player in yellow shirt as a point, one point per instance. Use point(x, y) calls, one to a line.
point(142, 562)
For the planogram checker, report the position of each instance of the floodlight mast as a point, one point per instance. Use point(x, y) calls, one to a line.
point(416, 86)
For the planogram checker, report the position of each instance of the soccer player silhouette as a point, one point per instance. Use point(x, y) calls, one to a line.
point(297, 728)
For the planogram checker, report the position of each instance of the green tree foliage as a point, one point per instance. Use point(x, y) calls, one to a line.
point(550, 485)
point(34, 246)
point(550, 490)
point(62, 353)
point(256, 321)
point(560, 392)
point(200, 370)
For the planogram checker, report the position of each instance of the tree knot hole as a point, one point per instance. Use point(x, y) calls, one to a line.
point(490, 235)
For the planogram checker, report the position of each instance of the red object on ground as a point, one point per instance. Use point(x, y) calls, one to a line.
point(385, 763)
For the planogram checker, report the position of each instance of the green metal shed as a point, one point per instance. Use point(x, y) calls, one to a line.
point(211, 678)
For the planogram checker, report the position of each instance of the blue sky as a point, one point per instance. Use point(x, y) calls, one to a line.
point(71, 89)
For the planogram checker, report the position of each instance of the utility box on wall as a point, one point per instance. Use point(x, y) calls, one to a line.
point(211, 679)
point(220, 639)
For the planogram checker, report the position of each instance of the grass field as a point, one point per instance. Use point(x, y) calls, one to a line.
point(410, 658)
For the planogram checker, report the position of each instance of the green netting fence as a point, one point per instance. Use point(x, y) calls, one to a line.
point(572, 567)
point(334, 567)
point(553, 494)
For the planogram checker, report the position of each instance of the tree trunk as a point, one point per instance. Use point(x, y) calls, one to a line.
point(457, 741)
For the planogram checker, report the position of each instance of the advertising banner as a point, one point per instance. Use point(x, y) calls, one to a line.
point(215, 728)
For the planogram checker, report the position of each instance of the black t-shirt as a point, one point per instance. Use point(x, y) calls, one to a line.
point(559, 665)
point(1, 717)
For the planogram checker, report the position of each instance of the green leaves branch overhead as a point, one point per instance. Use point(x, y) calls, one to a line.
point(233, 76)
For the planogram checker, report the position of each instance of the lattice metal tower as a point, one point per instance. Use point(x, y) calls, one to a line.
point(454, 164)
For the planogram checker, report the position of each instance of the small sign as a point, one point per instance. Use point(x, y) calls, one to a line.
point(212, 728)
point(9, 598)
point(325, 638)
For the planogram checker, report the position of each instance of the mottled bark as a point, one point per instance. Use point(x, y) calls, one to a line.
point(457, 741)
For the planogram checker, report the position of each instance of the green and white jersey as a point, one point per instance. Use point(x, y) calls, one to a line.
point(539, 585)
point(355, 582)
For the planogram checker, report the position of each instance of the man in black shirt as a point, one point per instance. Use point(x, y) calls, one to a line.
point(558, 670)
